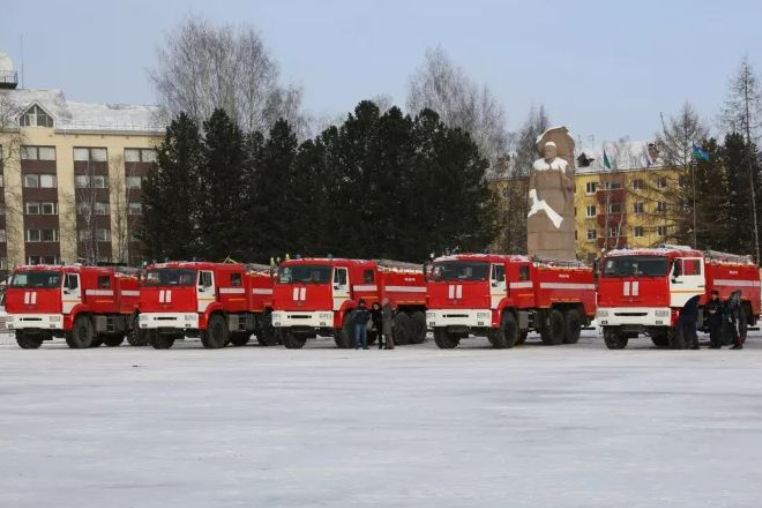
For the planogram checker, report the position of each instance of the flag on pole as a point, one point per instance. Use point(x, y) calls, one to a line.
point(699, 153)
point(606, 161)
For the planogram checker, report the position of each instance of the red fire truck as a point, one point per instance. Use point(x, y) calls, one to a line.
point(316, 296)
point(219, 302)
point(504, 297)
point(643, 291)
point(88, 305)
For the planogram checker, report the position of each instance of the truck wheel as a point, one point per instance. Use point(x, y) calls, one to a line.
point(239, 338)
point(82, 334)
point(401, 328)
point(508, 334)
point(114, 340)
point(677, 339)
point(614, 339)
point(26, 341)
point(522, 337)
point(660, 340)
point(293, 341)
point(445, 339)
point(266, 334)
point(160, 341)
point(136, 336)
point(216, 334)
point(344, 336)
point(553, 332)
point(418, 328)
point(573, 325)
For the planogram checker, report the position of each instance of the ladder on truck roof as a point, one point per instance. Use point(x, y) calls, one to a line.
point(258, 267)
point(398, 265)
point(726, 257)
point(566, 263)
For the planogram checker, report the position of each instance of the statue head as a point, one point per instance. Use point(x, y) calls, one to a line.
point(550, 151)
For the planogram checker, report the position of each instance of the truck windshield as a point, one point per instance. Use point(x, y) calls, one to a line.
point(36, 280)
point(460, 270)
point(305, 274)
point(170, 277)
point(635, 266)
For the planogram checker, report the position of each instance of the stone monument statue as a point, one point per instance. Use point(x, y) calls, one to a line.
point(550, 222)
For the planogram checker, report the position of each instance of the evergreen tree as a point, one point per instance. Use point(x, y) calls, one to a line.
point(222, 181)
point(735, 155)
point(171, 195)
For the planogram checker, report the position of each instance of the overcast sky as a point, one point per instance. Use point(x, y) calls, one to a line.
point(603, 68)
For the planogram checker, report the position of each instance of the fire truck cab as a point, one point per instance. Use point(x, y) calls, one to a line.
point(504, 297)
point(644, 290)
point(316, 296)
point(221, 303)
point(87, 305)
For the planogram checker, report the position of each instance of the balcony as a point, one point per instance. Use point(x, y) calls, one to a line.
point(614, 219)
point(9, 79)
point(613, 195)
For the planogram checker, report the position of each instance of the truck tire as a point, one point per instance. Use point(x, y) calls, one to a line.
point(522, 337)
point(508, 334)
point(677, 339)
point(266, 334)
point(660, 340)
point(445, 339)
point(614, 339)
point(216, 335)
point(553, 331)
point(113, 340)
point(239, 339)
point(344, 336)
point(418, 327)
point(292, 340)
point(136, 336)
point(401, 328)
point(573, 326)
point(82, 333)
point(27, 341)
point(161, 341)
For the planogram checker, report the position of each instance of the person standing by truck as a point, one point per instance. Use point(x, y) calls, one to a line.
point(687, 322)
point(387, 317)
point(375, 317)
point(715, 309)
point(361, 316)
point(738, 321)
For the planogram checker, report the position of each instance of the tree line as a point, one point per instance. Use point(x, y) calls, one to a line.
point(380, 184)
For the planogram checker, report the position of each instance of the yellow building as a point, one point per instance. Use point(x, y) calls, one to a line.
point(70, 174)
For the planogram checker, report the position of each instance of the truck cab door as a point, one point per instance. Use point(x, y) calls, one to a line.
point(686, 280)
point(340, 286)
point(498, 287)
point(71, 292)
point(205, 290)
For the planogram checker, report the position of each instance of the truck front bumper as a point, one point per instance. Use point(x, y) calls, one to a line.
point(461, 318)
point(634, 316)
point(300, 319)
point(170, 320)
point(35, 322)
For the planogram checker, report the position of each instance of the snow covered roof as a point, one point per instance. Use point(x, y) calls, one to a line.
point(82, 116)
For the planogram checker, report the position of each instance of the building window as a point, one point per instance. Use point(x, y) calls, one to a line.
point(614, 232)
point(35, 181)
point(90, 154)
point(3, 263)
point(34, 208)
point(91, 182)
point(638, 207)
point(2, 236)
point(84, 235)
point(135, 209)
point(38, 153)
point(35, 117)
point(682, 181)
point(101, 208)
point(41, 235)
point(612, 185)
point(590, 212)
point(638, 184)
point(662, 182)
point(637, 231)
point(134, 182)
point(661, 230)
point(591, 187)
point(592, 234)
point(103, 235)
point(139, 155)
point(661, 207)
point(615, 208)
point(42, 260)
point(2, 180)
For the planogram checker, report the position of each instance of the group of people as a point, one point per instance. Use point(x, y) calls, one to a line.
point(381, 316)
point(727, 321)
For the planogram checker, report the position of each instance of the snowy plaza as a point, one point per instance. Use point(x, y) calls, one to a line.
point(571, 426)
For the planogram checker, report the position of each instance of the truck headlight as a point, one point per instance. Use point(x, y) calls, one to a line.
point(143, 318)
point(662, 313)
point(483, 315)
point(190, 317)
point(325, 316)
point(603, 313)
point(52, 319)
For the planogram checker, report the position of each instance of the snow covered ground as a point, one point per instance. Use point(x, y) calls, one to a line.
point(569, 426)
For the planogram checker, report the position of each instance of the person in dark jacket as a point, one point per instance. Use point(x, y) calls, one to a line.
point(375, 317)
point(387, 320)
point(715, 309)
point(738, 322)
point(361, 316)
point(687, 322)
